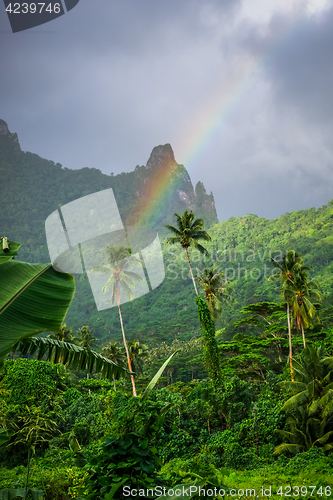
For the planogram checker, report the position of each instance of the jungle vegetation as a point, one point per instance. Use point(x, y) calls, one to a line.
point(233, 385)
point(249, 405)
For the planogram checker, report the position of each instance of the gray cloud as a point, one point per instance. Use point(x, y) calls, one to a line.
point(114, 79)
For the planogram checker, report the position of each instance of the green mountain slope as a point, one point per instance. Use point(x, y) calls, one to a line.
point(31, 188)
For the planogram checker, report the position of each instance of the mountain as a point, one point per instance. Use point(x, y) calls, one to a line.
point(31, 188)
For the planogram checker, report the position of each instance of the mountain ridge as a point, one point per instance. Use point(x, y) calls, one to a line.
point(39, 186)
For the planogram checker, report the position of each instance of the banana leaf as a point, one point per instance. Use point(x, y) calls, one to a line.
point(79, 358)
point(157, 376)
point(34, 298)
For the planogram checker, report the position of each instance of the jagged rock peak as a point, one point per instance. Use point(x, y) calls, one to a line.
point(5, 131)
point(160, 156)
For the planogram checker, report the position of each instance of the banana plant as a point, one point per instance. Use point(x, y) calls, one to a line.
point(66, 353)
point(35, 298)
point(157, 376)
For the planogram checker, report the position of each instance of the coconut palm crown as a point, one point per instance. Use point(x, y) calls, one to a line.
point(217, 290)
point(187, 233)
point(121, 279)
point(309, 410)
point(287, 270)
point(300, 292)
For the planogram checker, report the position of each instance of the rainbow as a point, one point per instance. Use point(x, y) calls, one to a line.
point(152, 198)
point(213, 112)
point(226, 97)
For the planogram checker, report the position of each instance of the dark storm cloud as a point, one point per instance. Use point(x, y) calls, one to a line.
point(105, 83)
point(102, 89)
point(300, 67)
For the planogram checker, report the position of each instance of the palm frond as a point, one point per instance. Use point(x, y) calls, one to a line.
point(296, 401)
point(101, 269)
point(173, 229)
point(293, 449)
point(128, 291)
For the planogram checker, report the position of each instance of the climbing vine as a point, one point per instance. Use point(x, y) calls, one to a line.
point(211, 353)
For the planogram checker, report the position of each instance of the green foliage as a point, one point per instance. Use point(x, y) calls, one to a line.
point(310, 408)
point(83, 416)
point(42, 385)
point(211, 352)
point(12, 494)
point(129, 455)
point(217, 290)
point(56, 480)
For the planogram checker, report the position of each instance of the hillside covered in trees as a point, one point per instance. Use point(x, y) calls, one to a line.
point(220, 378)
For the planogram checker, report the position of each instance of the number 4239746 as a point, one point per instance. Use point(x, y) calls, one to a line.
point(33, 8)
point(288, 491)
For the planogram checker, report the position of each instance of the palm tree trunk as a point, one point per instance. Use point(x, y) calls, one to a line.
point(126, 348)
point(303, 335)
point(188, 258)
point(290, 348)
point(114, 383)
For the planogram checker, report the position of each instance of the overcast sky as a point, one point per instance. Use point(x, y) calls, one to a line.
point(241, 89)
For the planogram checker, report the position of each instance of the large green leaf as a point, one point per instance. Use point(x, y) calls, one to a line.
point(114, 489)
point(157, 376)
point(79, 358)
point(33, 298)
point(6, 256)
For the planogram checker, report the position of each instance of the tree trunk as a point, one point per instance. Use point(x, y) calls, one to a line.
point(303, 335)
point(114, 383)
point(125, 344)
point(188, 258)
point(290, 348)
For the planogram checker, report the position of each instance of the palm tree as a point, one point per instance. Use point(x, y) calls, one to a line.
point(64, 334)
point(85, 337)
point(310, 408)
point(114, 353)
point(121, 278)
point(304, 311)
point(137, 353)
point(188, 232)
point(290, 264)
point(216, 288)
